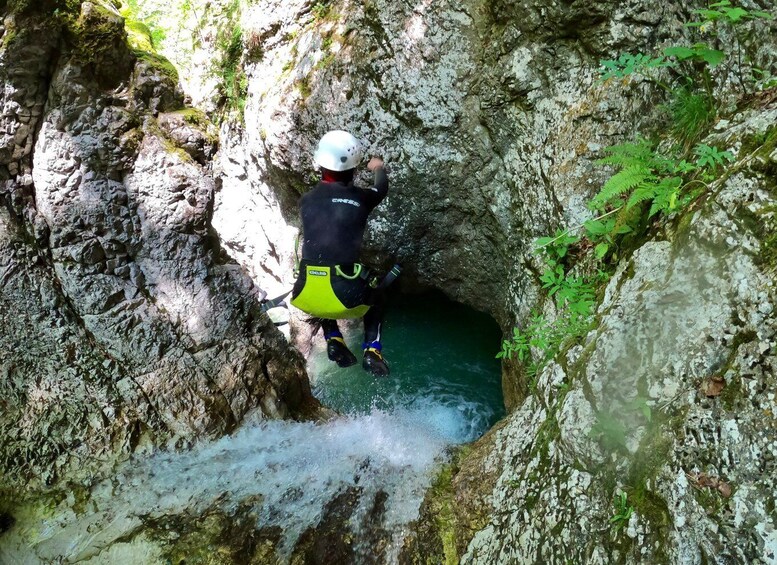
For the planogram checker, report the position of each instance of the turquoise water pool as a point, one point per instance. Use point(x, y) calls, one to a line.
point(441, 355)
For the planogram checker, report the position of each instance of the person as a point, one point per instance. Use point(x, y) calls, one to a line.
point(332, 284)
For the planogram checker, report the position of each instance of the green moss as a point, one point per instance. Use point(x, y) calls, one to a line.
point(194, 116)
point(53, 7)
point(303, 85)
point(761, 142)
point(709, 499)
point(444, 517)
point(139, 36)
point(158, 62)
point(445, 528)
point(732, 392)
point(96, 34)
point(325, 61)
point(173, 149)
point(324, 12)
point(768, 252)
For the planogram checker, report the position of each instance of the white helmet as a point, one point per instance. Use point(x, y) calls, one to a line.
point(338, 151)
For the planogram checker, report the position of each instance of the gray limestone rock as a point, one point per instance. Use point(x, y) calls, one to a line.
point(124, 323)
point(670, 402)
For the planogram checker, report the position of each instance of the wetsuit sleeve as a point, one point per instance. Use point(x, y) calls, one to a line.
point(378, 191)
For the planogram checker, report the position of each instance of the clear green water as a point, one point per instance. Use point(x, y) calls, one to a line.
point(441, 355)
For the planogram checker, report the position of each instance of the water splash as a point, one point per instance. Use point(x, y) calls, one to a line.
point(389, 444)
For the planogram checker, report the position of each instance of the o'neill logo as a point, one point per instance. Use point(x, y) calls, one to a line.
point(346, 201)
point(317, 273)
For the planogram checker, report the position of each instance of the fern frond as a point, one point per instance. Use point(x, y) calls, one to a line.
point(666, 193)
point(644, 192)
point(625, 155)
point(621, 182)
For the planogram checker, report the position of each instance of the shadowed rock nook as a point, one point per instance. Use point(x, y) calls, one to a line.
point(598, 178)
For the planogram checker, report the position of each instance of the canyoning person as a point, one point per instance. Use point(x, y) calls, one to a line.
point(332, 284)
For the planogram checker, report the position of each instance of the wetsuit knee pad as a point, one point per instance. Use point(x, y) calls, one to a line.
point(318, 297)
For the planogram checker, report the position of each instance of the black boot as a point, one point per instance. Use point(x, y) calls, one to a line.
point(339, 352)
point(373, 361)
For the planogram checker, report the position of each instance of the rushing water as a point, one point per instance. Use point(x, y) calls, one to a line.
point(444, 390)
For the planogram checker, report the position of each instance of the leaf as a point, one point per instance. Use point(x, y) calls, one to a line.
point(595, 227)
point(764, 15)
point(679, 51)
point(623, 181)
point(710, 15)
point(601, 250)
point(713, 386)
point(640, 195)
point(543, 241)
point(712, 57)
point(736, 14)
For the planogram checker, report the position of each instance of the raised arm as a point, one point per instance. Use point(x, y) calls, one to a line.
point(380, 183)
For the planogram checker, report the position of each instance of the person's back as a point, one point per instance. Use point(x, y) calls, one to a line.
point(332, 283)
point(334, 216)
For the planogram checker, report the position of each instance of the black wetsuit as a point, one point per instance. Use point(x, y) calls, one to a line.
point(334, 217)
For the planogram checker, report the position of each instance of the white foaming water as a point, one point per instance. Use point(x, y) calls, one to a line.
point(388, 449)
point(297, 468)
point(287, 471)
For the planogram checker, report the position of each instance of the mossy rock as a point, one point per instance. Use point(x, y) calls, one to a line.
point(454, 508)
point(139, 36)
point(157, 62)
point(43, 7)
point(98, 39)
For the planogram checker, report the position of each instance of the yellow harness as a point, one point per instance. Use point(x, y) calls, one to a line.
point(318, 297)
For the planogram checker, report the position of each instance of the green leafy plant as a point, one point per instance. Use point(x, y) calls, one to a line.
point(647, 182)
point(726, 12)
point(321, 11)
point(641, 405)
point(557, 246)
point(692, 112)
point(644, 175)
point(603, 232)
point(628, 64)
point(763, 79)
point(623, 511)
point(711, 157)
point(233, 82)
point(700, 52)
point(574, 296)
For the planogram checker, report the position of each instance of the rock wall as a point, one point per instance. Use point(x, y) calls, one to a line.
point(670, 402)
point(123, 322)
point(652, 441)
point(490, 115)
